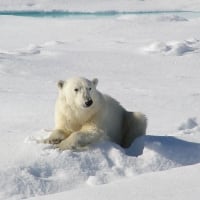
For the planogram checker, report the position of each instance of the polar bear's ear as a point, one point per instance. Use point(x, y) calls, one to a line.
point(95, 81)
point(60, 84)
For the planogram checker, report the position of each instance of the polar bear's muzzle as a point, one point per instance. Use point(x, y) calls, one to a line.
point(88, 103)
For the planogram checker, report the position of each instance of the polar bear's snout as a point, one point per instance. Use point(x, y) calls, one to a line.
point(88, 103)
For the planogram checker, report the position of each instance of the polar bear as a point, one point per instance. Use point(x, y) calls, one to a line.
point(84, 116)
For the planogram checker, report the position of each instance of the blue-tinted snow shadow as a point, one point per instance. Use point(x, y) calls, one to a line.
point(179, 151)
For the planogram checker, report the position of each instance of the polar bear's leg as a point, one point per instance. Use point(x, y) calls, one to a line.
point(81, 139)
point(135, 124)
point(56, 137)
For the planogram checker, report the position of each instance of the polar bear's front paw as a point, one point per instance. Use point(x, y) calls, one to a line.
point(68, 143)
point(74, 142)
point(65, 145)
point(52, 141)
point(55, 138)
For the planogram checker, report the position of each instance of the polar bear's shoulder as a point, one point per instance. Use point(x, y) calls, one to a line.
point(112, 104)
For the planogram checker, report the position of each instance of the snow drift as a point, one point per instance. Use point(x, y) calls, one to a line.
point(177, 48)
point(41, 169)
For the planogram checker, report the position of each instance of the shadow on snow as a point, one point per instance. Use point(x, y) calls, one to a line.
point(177, 150)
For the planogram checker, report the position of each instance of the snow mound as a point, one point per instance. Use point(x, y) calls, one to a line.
point(41, 169)
point(177, 48)
point(31, 49)
point(190, 126)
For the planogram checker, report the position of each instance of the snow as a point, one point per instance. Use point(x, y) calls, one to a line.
point(149, 63)
point(189, 124)
point(181, 184)
point(177, 48)
point(43, 170)
point(99, 5)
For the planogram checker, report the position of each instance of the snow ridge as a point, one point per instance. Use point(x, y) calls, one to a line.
point(31, 49)
point(176, 48)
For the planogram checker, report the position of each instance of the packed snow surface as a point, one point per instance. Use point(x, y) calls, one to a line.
point(149, 63)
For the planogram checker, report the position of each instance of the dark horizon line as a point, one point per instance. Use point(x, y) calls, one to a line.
point(60, 13)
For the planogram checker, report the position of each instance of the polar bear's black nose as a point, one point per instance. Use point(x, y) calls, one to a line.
point(89, 103)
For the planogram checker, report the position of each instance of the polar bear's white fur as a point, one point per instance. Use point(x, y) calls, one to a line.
point(84, 116)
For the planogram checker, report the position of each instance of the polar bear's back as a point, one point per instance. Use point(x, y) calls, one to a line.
point(121, 126)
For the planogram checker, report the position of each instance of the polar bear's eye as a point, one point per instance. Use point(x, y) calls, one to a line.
point(76, 89)
point(90, 88)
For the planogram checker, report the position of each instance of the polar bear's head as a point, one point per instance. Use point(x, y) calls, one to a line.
point(79, 92)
